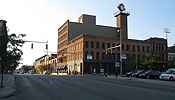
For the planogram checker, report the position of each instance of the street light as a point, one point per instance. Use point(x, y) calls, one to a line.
point(166, 30)
point(119, 30)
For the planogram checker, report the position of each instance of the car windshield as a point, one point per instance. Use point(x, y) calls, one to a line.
point(169, 72)
point(147, 71)
point(139, 71)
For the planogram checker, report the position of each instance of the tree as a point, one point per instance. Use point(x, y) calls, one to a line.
point(150, 62)
point(43, 68)
point(171, 63)
point(13, 53)
point(130, 64)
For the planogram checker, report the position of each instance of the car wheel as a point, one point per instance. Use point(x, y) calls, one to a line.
point(171, 79)
point(148, 76)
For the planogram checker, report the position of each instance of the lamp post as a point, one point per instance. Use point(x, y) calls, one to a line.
point(119, 30)
point(166, 30)
point(120, 52)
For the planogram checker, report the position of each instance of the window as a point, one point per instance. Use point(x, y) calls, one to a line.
point(143, 48)
point(97, 45)
point(127, 47)
point(86, 44)
point(138, 57)
point(86, 54)
point(112, 56)
point(156, 46)
point(143, 57)
point(92, 44)
point(152, 46)
point(162, 46)
point(123, 47)
point(103, 55)
point(138, 48)
point(113, 44)
point(165, 48)
point(97, 55)
point(133, 47)
point(109, 45)
point(147, 48)
point(103, 45)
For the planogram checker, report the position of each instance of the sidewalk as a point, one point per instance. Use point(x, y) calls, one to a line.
point(9, 88)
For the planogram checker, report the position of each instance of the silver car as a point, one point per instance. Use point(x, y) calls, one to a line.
point(168, 75)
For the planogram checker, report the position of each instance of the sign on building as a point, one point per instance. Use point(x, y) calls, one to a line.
point(89, 56)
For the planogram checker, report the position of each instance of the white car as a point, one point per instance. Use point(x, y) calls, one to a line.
point(168, 75)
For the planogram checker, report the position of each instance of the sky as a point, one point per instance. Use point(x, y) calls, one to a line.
point(40, 20)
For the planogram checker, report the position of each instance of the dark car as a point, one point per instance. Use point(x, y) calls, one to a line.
point(136, 74)
point(128, 74)
point(150, 74)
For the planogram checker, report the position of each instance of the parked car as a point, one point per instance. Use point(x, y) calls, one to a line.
point(136, 74)
point(47, 73)
point(168, 75)
point(21, 72)
point(10, 72)
point(128, 74)
point(150, 74)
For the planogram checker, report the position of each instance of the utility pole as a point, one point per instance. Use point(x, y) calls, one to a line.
point(3, 46)
point(120, 53)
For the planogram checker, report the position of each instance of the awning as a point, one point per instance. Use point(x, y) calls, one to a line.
point(61, 67)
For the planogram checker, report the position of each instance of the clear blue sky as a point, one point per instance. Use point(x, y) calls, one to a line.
point(40, 19)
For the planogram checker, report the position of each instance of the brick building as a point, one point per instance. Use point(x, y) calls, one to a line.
point(82, 45)
point(50, 60)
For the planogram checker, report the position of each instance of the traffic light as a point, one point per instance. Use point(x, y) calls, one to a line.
point(106, 52)
point(46, 46)
point(32, 46)
point(111, 51)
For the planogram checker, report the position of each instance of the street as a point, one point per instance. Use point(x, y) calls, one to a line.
point(50, 87)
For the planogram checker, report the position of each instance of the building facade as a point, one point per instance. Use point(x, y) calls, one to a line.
point(50, 60)
point(171, 56)
point(82, 46)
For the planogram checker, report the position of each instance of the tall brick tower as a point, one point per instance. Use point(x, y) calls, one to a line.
point(122, 21)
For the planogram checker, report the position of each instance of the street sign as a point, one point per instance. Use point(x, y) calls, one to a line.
point(124, 56)
point(89, 56)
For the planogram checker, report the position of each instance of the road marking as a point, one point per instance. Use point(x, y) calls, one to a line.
point(52, 83)
point(23, 84)
point(81, 83)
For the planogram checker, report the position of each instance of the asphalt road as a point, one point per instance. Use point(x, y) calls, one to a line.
point(47, 87)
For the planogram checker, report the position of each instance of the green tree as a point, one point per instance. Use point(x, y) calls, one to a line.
point(150, 62)
point(13, 53)
point(130, 64)
point(171, 64)
point(44, 68)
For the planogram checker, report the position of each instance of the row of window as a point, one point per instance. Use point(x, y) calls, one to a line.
point(159, 46)
point(78, 56)
point(124, 47)
point(76, 46)
point(116, 56)
point(113, 56)
point(62, 31)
